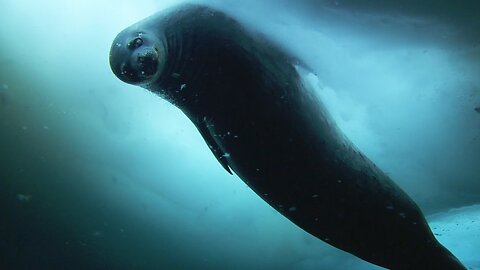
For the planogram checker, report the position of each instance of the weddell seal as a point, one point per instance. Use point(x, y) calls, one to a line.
point(247, 99)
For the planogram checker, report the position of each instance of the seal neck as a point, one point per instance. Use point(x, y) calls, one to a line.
point(179, 83)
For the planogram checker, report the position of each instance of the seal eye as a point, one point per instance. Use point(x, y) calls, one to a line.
point(136, 43)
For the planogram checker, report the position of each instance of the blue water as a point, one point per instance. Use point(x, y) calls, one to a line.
point(97, 174)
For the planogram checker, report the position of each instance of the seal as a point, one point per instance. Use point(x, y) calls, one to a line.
point(246, 97)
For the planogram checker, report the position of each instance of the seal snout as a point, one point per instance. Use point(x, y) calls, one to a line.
point(138, 59)
point(146, 61)
point(144, 58)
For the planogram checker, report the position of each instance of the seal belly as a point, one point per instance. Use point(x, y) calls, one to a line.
point(251, 106)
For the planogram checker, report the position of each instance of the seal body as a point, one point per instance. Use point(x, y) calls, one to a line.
point(246, 97)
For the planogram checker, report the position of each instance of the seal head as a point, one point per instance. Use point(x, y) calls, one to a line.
point(137, 57)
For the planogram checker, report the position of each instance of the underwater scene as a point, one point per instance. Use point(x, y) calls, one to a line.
point(222, 134)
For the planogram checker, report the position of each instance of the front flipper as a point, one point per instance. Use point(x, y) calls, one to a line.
point(212, 144)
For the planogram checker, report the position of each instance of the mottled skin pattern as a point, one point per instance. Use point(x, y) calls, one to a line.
point(247, 99)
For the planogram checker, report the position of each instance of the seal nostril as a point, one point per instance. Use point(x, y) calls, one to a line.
point(135, 43)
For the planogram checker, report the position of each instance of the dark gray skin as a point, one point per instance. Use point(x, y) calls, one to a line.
point(246, 97)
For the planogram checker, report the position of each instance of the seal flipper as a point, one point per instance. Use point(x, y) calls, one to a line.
point(212, 144)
